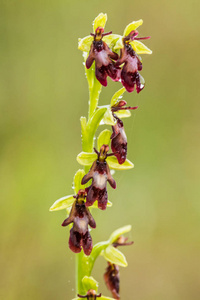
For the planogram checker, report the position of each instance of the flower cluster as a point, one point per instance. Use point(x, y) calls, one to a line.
point(114, 55)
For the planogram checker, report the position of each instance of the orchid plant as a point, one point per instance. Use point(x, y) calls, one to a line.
point(115, 56)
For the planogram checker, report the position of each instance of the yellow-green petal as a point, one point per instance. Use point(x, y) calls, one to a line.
point(77, 180)
point(132, 26)
point(140, 48)
point(99, 21)
point(108, 118)
point(113, 164)
point(117, 233)
point(123, 113)
point(85, 43)
point(62, 203)
point(103, 138)
point(111, 39)
point(114, 256)
point(86, 158)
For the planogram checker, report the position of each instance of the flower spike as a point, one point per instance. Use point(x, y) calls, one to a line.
point(81, 217)
point(100, 174)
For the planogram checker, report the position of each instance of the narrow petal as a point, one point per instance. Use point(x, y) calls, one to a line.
point(140, 48)
point(132, 26)
point(85, 43)
point(99, 21)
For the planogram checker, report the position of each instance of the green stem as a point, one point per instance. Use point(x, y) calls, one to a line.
point(88, 129)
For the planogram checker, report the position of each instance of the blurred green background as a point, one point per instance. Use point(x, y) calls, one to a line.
point(43, 93)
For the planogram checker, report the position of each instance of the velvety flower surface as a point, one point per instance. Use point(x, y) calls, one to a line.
point(100, 174)
point(103, 57)
point(112, 276)
point(118, 137)
point(130, 47)
point(91, 295)
point(112, 279)
point(81, 217)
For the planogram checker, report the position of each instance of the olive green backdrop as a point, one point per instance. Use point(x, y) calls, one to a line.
point(43, 93)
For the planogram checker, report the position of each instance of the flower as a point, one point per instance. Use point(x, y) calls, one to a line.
point(118, 137)
point(112, 279)
point(112, 276)
point(100, 174)
point(91, 295)
point(100, 52)
point(130, 47)
point(80, 216)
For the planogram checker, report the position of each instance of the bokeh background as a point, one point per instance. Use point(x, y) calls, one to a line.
point(43, 93)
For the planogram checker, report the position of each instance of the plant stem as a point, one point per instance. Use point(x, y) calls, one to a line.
point(88, 132)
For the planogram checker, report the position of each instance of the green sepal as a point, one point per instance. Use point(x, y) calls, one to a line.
point(132, 26)
point(140, 48)
point(62, 203)
point(111, 40)
point(119, 43)
point(86, 158)
point(117, 96)
point(108, 118)
point(114, 256)
point(117, 233)
point(103, 138)
point(90, 283)
point(123, 113)
point(113, 164)
point(99, 21)
point(84, 44)
point(77, 180)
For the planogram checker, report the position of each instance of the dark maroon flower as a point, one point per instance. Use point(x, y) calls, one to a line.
point(112, 276)
point(80, 216)
point(103, 57)
point(118, 137)
point(132, 64)
point(100, 174)
point(112, 279)
point(91, 295)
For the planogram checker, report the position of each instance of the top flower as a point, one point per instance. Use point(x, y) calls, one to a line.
point(101, 53)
